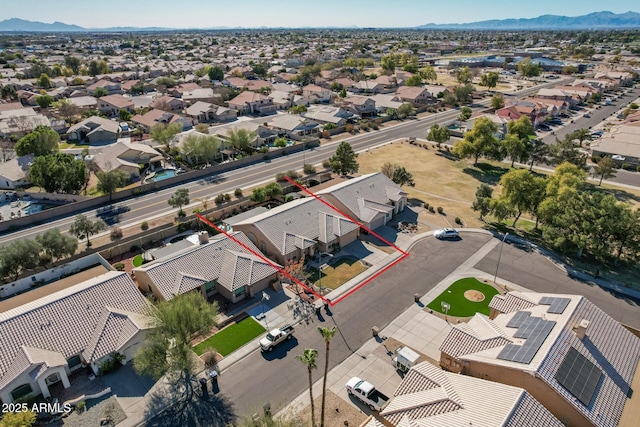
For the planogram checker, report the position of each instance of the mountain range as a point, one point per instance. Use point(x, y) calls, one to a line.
point(601, 20)
point(596, 20)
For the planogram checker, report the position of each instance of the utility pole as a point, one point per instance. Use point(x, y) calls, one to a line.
point(499, 257)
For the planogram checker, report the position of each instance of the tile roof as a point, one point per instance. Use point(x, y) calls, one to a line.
point(223, 260)
point(368, 195)
point(299, 223)
point(63, 322)
point(513, 301)
point(607, 344)
point(431, 397)
point(118, 101)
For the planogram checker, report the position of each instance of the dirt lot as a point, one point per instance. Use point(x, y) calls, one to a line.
point(338, 413)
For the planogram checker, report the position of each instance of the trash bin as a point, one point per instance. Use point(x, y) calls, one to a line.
point(213, 374)
point(416, 298)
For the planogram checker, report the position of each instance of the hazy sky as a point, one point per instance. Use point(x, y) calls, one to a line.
point(293, 13)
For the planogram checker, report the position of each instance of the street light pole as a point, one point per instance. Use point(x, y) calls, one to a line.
point(499, 257)
point(265, 297)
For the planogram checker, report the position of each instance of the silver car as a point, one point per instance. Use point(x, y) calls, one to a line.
point(446, 233)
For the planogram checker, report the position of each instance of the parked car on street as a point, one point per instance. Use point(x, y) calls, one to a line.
point(446, 233)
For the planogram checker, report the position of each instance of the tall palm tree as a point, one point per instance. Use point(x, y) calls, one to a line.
point(308, 357)
point(327, 335)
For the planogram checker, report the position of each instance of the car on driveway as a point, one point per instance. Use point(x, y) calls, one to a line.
point(446, 233)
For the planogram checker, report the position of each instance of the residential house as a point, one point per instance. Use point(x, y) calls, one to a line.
point(362, 106)
point(328, 114)
point(536, 112)
point(129, 84)
point(298, 228)
point(263, 134)
point(345, 82)
point(204, 112)
point(617, 78)
point(224, 266)
point(429, 396)
point(389, 83)
point(315, 94)
point(168, 103)
point(386, 102)
point(94, 129)
point(293, 124)
point(44, 341)
point(201, 94)
point(20, 121)
point(111, 105)
point(84, 102)
point(111, 87)
point(415, 95)
point(253, 85)
point(128, 157)
point(567, 353)
point(580, 93)
point(14, 171)
point(368, 86)
point(371, 199)
point(283, 100)
point(183, 88)
point(248, 102)
point(154, 117)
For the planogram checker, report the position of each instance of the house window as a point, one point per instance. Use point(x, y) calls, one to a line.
point(21, 391)
point(74, 362)
point(240, 291)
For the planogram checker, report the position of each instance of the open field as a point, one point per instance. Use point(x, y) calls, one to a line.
point(231, 338)
point(466, 297)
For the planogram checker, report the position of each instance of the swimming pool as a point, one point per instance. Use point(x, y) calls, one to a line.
point(162, 174)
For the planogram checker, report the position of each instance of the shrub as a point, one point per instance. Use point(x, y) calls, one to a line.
point(595, 158)
point(309, 169)
point(184, 226)
point(638, 169)
point(627, 166)
point(426, 205)
point(280, 177)
point(116, 233)
point(119, 266)
point(227, 197)
point(209, 358)
point(326, 134)
point(293, 174)
point(219, 199)
point(238, 193)
point(134, 248)
point(326, 164)
point(144, 225)
point(432, 209)
point(375, 126)
point(440, 210)
point(458, 220)
point(348, 128)
point(81, 406)
point(111, 364)
point(264, 150)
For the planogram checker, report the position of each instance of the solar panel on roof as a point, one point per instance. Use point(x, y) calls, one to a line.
point(579, 376)
point(518, 318)
point(535, 330)
point(557, 305)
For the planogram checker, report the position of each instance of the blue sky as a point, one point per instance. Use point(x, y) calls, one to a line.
point(293, 13)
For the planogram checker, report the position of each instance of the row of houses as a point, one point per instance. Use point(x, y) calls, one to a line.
point(43, 341)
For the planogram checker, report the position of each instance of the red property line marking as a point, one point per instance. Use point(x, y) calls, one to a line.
point(344, 215)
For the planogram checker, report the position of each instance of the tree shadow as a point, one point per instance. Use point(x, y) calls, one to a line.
point(486, 173)
point(620, 195)
point(209, 409)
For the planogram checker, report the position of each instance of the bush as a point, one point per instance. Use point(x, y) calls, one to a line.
point(326, 134)
point(116, 233)
point(458, 220)
point(426, 205)
point(183, 226)
point(440, 210)
point(144, 225)
point(264, 150)
point(638, 169)
point(309, 169)
point(326, 164)
point(348, 128)
point(627, 166)
point(293, 174)
point(111, 364)
point(432, 209)
point(219, 199)
point(238, 193)
point(227, 197)
point(280, 177)
point(81, 406)
point(119, 266)
point(595, 158)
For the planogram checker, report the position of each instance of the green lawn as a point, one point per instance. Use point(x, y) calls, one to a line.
point(232, 337)
point(137, 260)
point(339, 273)
point(461, 306)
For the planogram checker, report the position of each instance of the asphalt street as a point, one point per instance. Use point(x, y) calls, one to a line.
point(278, 377)
point(143, 207)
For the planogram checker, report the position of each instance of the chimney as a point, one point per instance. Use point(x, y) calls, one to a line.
point(581, 329)
point(203, 237)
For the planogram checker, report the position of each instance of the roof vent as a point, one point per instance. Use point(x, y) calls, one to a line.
point(203, 238)
point(581, 329)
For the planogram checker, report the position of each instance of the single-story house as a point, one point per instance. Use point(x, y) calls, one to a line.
point(371, 199)
point(14, 172)
point(363, 106)
point(200, 94)
point(168, 103)
point(416, 95)
point(20, 121)
point(298, 228)
point(111, 87)
point(84, 102)
point(222, 266)
point(95, 130)
point(126, 156)
point(44, 341)
point(315, 94)
point(154, 117)
point(292, 124)
point(263, 134)
point(204, 112)
point(111, 105)
point(328, 114)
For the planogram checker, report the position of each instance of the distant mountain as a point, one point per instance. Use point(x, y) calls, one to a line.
point(21, 25)
point(550, 22)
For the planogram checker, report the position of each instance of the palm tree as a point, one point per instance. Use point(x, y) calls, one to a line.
point(327, 334)
point(308, 357)
point(581, 135)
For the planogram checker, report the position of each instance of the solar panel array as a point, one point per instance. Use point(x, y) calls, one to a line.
point(579, 376)
point(557, 305)
point(534, 330)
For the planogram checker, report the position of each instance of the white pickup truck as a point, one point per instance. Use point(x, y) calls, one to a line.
point(275, 337)
point(367, 393)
